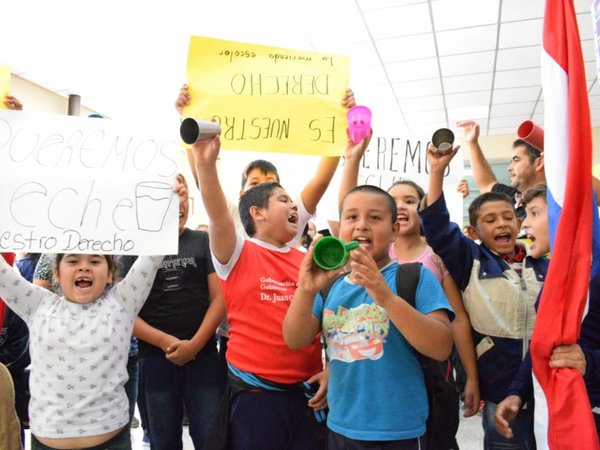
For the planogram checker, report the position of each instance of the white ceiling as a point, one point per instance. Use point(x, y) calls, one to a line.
point(419, 65)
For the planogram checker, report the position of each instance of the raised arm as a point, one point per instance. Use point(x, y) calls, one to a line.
point(484, 176)
point(19, 294)
point(316, 187)
point(437, 166)
point(222, 229)
point(135, 287)
point(352, 157)
point(183, 100)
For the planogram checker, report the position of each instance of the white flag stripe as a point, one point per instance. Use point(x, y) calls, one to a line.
point(555, 83)
point(540, 416)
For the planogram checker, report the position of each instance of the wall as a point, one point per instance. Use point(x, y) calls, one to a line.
point(499, 147)
point(40, 99)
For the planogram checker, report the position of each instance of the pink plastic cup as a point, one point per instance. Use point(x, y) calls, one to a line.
point(359, 122)
point(532, 134)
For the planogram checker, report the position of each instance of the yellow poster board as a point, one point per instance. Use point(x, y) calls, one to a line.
point(4, 84)
point(268, 98)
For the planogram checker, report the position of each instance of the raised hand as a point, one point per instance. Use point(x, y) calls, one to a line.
point(183, 99)
point(206, 152)
point(13, 103)
point(440, 160)
point(471, 130)
point(348, 100)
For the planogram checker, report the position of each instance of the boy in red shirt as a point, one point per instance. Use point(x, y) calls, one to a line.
point(267, 381)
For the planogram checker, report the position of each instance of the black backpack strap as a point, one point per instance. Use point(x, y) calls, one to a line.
point(442, 396)
point(407, 280)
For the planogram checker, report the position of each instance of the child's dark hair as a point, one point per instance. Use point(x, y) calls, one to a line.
point(531, 151)
point(538, 191)
point(256, 196)
point(306, 239)
point(264, 166)
point(415, 186)
point(370, 189)
point(110, 260)
point(480, 200)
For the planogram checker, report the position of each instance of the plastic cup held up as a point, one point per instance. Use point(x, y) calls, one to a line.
point(359, 122)
point(332, 253)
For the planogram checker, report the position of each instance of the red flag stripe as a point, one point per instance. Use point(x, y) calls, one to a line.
point(570, 424)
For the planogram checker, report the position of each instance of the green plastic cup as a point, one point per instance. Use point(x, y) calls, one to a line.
point(332, 253)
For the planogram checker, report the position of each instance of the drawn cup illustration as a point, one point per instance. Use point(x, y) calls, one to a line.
point(152, 201)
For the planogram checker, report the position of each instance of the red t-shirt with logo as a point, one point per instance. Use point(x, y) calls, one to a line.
point(258, 291)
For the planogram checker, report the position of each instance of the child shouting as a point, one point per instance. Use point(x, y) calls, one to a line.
point(371, 332)
point(500, 281)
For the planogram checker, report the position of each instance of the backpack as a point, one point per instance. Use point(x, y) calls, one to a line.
point(442, 423)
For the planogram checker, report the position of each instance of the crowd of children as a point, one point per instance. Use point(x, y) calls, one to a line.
point(274, 390)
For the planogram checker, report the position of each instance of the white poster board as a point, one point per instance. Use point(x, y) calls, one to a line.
point(390, 159)
point(85, 185)
point(386, 160)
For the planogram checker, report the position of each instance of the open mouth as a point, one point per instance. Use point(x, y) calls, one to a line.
point(403, 218)
point(531, 237)
point(503, 238)
point(362, 240)
point(83, 282)
point(293, 218)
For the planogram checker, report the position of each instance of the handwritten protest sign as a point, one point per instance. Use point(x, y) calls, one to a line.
point(268, 98)
point(81, 185)
point(387, 159)
point(390, 159)
point(4, 84)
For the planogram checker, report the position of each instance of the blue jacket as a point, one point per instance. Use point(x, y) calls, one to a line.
point(589, 342)
point(499, 301)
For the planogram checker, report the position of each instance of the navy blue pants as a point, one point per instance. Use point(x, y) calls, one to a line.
point(270, 420)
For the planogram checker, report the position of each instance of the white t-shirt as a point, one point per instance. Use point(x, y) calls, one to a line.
point(79, 351)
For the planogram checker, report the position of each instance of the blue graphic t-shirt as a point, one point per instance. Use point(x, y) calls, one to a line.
point(376, 389)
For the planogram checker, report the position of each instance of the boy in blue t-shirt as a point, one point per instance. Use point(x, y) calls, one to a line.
point(376, 390)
